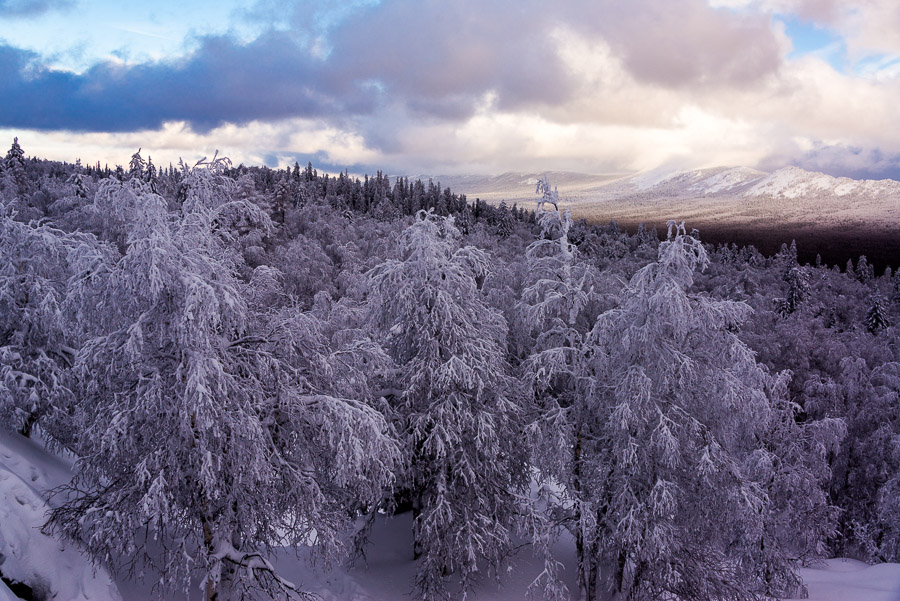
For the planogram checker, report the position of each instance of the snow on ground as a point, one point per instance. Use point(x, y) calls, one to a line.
point(851, 580)
point(727, 180)
point(27, 470)
point(57, 569)
point(655, 177)
point(793, 182)
point(388, 572)
point(6, 594)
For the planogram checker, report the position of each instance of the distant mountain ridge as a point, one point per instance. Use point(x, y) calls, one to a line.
point(734, 182)
point(788, 182)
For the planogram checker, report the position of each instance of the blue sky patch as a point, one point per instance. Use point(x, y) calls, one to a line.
point(810, 39)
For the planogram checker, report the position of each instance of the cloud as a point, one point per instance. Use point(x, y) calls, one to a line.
point(437, 59)
point(250, 144)
point(31, 8)
point(844, 160)
point(478, 86)
point(867, 26)
point(683, 43)
point(222, 81)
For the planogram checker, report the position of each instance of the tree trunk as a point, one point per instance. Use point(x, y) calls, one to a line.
point(620, 573)
point(28, 424)
point(212, 588)
point(583, 568)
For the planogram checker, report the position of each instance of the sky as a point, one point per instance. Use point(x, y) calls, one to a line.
point(424, 87)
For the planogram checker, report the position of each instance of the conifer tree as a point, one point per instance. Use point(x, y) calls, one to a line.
point(15, 156)
point(14, 168)
point(877, 317)
point(136, 165)
point(798, 290)
point(864, 272)
point(504, 221)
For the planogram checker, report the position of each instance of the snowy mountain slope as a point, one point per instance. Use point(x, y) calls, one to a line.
point(735, 182)
point(797, 202)
point(728, 180)
point(793, 182)
point(743, 182)
point(519, 187)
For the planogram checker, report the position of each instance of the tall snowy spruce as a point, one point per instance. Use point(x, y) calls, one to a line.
point(675, 466)
point(456, 409)
point(208, 436)
point(877, 317)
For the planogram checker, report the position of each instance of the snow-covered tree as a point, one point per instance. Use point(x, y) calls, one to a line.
point(866, 399)
point(549, 196)
point(798, 290)
point(15, 156)
point(667, 463)
point(792, 467)
point(864, 272)
point(455, 404)
point(559, 305)
point(560, 288)
point(505, 221)
point(877, 317)
point(136, 165)
point(77, 181)
point(212, 430)
point(13, 169)
point(36, 342)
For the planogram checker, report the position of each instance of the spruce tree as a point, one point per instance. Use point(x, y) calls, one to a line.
point(864, 272)
point(877, 316)
point(14, 168)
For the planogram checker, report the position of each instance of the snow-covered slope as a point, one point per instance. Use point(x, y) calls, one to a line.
point(793, 182)
point(51, 568)
point(728, 180)
point(743, 182)
point(789, 198)
point(519, 187)
point(663, 182)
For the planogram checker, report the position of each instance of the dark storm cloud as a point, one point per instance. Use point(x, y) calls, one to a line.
point(434, 60)
point(30, 8)
point(222, 81)
point(857, 162)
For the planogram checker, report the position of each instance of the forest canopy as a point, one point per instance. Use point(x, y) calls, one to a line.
point(248, 359)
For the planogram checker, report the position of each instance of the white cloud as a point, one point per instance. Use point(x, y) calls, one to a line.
point(595, 86)
point(249, 144)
